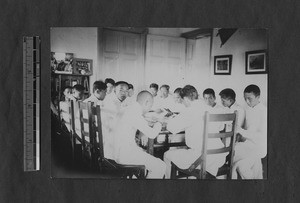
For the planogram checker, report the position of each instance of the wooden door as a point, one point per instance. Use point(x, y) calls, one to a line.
point(122, 57)
point(165, 61)
point(198, 63)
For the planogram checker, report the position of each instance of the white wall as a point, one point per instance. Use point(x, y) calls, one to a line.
point(241, 41)
point(170, 32)
point(82, 41)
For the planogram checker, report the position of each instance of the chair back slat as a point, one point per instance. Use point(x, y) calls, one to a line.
point(85, 134)
point(221, 117)
point(220, 135)
point(87, 122)
point(84, 120)
point(98, 128)
point(82, 106)
point(72, 127)
point(218, 151)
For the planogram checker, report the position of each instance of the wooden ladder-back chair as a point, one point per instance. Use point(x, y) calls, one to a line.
point(67, 125)
point(88, 138)
point(71, 123)
point(201, 173)
point(105, 164)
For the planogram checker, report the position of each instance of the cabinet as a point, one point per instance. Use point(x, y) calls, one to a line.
point(62, 80)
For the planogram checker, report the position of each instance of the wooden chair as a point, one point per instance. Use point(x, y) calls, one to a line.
point(97, 151)
point(73, 134)
point(67, 125)
point(87, 137)
point(201, 173)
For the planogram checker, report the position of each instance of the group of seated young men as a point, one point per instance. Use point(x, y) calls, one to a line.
point(123, 114)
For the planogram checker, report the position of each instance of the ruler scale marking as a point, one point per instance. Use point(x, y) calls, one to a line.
point(31, 102)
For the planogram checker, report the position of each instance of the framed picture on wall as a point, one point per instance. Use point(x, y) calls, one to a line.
point(222, 65)
point(83, 66)
point(62, 62)
point(256, 62)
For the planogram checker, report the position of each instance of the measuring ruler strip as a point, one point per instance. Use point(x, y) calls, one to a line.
point(31, 102)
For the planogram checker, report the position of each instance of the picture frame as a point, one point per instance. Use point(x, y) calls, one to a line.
point(83, 66)
point(222, 64)
point(256, 62)
point(62, 63)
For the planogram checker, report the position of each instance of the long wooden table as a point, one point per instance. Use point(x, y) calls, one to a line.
point(152, 143)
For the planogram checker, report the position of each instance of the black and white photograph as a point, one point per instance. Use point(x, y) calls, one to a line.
point(223, 65)
point(256, 62)
point(159, 103)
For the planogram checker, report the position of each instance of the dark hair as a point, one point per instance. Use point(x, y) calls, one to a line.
point(130, 86)
point(252, 88)
point(121, 83)
point(165, 86)
point(154, 85)
point(109, 80)
point(62, 97)
point(177, 91)
point(190, 92)
point(209, 91)
point(227, 94)
point(67, 87)
point(78, 87)
point(99, 85)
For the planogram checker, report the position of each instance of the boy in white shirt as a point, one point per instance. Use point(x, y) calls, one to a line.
point(113, 108)
point(99, 93)
point(253, 145)
point(126, 149)
point(228, 101)
point(210, 100)
point(153, 90)
point(177, 105)
point(130, 99)
point(77, 95)
point(110, 83)
point(165, 101)
point(191, 120)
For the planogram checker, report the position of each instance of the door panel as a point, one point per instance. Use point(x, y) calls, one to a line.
point(165, 61)
point(197, 63)
point(123, 57)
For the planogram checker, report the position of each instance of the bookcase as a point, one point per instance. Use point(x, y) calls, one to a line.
point(79, 73)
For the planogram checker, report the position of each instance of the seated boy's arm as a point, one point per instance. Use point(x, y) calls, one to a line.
point(179, 123)
point(256, 136)
point(142, 125)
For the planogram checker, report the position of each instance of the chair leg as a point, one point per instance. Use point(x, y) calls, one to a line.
point(173, 171)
